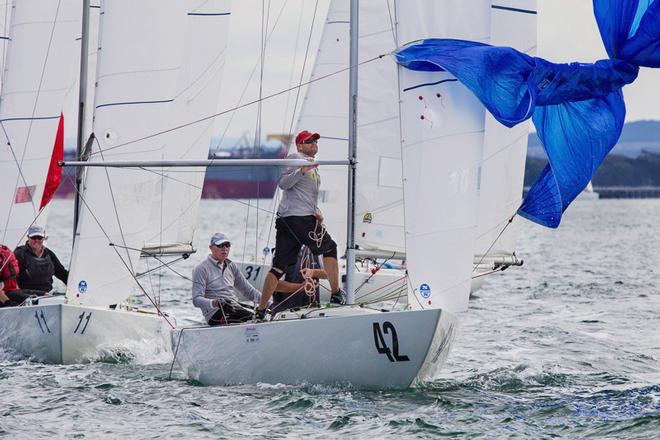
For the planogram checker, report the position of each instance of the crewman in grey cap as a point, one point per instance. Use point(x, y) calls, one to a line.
point(214, 281)
point(38, 264)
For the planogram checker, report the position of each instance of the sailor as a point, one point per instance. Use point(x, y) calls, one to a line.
point(37, 264)
point(8, 273)
point(214, 281)
point(299, 221)
point(300, 287)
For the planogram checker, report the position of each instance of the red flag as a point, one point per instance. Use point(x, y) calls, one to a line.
point(24, 194)
point(54, 170)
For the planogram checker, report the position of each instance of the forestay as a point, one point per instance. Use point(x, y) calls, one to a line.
point(159, 66)
point(379, 196)
point(40, 69)
point(442, 148)
point(513, 24)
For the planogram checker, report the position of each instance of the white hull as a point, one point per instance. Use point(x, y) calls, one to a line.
point(334, 347)
point(66, 334)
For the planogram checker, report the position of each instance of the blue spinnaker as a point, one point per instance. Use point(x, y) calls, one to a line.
point(577, 108)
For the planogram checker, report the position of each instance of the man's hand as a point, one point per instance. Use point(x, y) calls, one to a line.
point(309, 168)
point(319, 216)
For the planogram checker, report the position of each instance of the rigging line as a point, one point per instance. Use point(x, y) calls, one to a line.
point(36, 100)
point(412, 290)
point(247, 83)
point(176, 351)
point(302, 71)
point(5, 41)
point(378, 267)
point(20, 175)
point(163, 265)
point(293, 67)
point(41, 80)
point(155, 257)
point(247, 104)
point(98, 223)
point(392, 23)
point(494, 241)
point(391, 283)
point(114, 204)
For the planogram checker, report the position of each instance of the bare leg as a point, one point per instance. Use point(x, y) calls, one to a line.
point(270, 283)
point(332, 269)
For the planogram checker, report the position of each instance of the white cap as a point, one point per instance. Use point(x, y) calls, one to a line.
point(219, 238)
point(36, 231)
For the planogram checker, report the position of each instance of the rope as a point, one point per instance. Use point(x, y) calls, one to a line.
point(317, 237)
point(98, 223)
point(302, 71)
point(238, 107)
point(176, 352)
point(494, 241)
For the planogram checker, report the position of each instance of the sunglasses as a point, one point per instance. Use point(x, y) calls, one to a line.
point(310, 141)
point(226, 244)
point(36, 238)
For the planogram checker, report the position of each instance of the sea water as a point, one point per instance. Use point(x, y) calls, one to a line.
point(566, 346)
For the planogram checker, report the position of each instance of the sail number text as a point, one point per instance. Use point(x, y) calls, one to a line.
point(250, 270)
point(382, 346)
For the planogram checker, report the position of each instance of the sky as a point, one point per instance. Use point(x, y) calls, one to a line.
point(567, 32)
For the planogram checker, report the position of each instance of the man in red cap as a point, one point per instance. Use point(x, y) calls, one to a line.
point(299, 222)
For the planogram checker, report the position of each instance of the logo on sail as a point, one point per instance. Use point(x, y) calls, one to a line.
point(367, 218)
point(82, 286)
point(425, 291)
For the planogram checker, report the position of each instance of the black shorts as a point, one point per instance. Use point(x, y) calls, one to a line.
point(291, 233)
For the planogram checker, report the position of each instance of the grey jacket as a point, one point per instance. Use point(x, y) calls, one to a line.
point(212, 280)
point(301, 191)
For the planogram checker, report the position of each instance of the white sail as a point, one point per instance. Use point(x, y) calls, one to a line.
point(40, 69)
point(197, 95)
point(442, 146)
point(147, 81)
point(379, 195)
point(5, 18)
point(513, 24)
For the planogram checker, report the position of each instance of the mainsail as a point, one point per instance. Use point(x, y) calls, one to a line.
point(40, 69)
point(158, 67)
point(379, 194)
point(442, 148)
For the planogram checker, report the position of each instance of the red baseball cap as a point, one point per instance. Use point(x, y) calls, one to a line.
point(305, 136)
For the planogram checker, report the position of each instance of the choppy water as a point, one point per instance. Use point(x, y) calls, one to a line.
point(566, 346)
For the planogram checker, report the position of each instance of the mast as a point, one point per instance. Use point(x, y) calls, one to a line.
point(82, 97)
point(352, 149)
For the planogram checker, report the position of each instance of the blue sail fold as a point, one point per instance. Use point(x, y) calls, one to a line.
point(577, 108)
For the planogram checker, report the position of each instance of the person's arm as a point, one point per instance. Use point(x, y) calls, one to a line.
point(308, 272)
point(243, 286)
point(199, 288)
point(288, 287)
point(289, 177)
point(60, 272)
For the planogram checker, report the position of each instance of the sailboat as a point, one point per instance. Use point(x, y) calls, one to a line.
point(376, 348)
point(379, 217)
point(148, 78)
point(445, 85)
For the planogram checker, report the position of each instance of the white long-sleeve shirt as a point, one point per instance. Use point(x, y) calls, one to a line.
point(212, 280)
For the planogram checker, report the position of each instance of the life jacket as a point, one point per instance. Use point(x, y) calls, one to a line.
point(36, 272)
point(9, 268)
